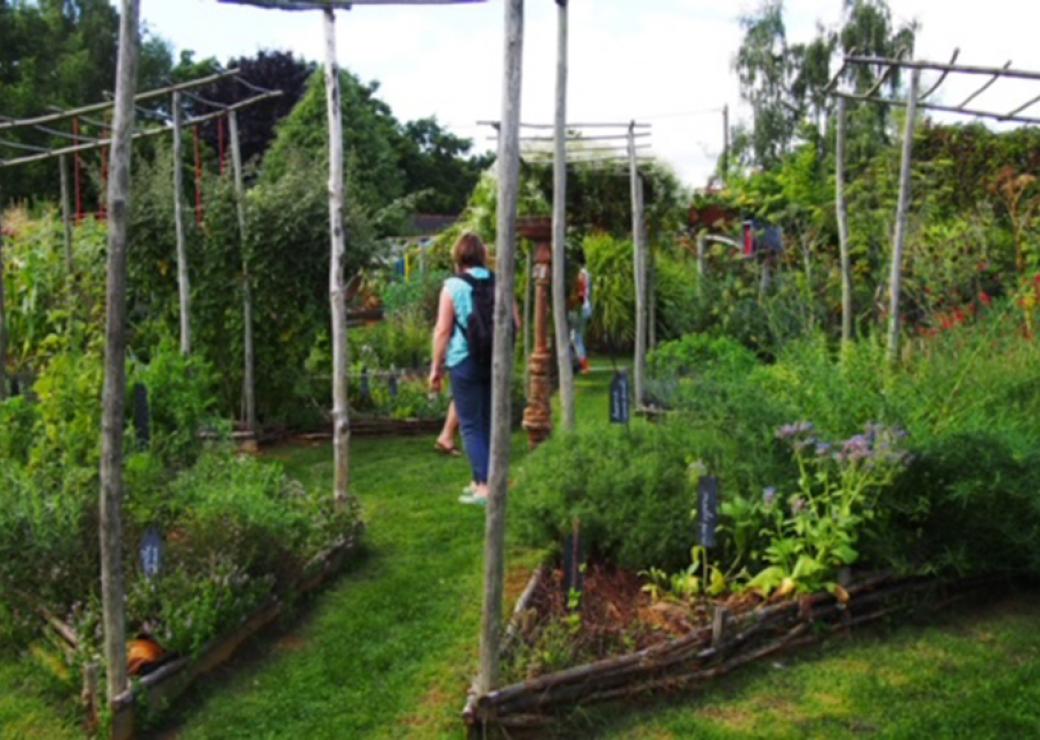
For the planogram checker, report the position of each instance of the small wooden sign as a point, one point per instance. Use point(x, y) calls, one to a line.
point(620, 398)
point(142, 423)
point(708, 510)
point(151, 552)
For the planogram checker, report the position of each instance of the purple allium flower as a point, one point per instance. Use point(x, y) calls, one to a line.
point(769, 495)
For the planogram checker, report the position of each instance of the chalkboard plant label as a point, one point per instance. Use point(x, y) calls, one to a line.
point(151, 552)
point(574, 556)
point(708, 510)
point(620, 398)
point(392, 385)
point(142, 422)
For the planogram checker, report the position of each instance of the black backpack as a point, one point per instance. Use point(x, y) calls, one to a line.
point(480, 329)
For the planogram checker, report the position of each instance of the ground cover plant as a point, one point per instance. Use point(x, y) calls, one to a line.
point(831, 463)
point(233, 531)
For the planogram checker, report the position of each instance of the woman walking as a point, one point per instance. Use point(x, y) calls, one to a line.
point(461, 347)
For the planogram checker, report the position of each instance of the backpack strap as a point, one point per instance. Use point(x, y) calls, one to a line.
point(474, 282)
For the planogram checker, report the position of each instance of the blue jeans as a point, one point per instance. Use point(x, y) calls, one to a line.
point(471, 388)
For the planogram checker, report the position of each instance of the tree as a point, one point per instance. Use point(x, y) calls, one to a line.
point(436, 164)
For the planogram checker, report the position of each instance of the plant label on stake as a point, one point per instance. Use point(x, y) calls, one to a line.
point(574, 561)
point(619, 398)
point(708, 509)
point(366, 393)
point(392, 385)
point(151, 552)
point(141, 420)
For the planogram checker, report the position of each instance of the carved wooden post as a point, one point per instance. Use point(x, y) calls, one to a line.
point(110, 514)
point(538, 414)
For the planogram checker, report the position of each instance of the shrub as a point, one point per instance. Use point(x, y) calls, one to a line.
point(627, 486)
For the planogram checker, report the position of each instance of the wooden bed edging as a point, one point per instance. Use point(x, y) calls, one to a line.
point(701, 656)
point(169, 681)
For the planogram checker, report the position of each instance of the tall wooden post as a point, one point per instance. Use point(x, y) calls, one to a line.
point(842, 210)
point(508, 165)
point(66, 212)
point(183, 288)
point(528, 307)
point(725, 144)
point(337, 259)
point(559, 224)
point(651, 299)
point(3, 310)
point(702, 257)
point(538, 413)
point(896, 278)
point(248, 379)
point(113, 397)
point(639, 266)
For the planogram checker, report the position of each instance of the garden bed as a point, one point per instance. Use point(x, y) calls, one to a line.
point(175, 674)
point(677, 647)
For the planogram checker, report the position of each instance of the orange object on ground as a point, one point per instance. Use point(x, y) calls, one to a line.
point(142, 653)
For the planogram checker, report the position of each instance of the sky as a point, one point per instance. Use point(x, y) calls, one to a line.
point(668, 63)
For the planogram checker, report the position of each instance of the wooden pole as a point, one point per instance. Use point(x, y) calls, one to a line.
point(248, 380)
point(559, 235)
point(66, 212)
point(337, 258)
point(3, 311)
point(183, 288)
point(528, 307)
point(502, 364)
point(651, 299)
point(843, 225)
point(639, 268)
point(725, 144)
point(702, 257)
point(114, 393)
point(895, 280)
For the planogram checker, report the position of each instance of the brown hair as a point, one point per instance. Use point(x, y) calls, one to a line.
point(469, 251)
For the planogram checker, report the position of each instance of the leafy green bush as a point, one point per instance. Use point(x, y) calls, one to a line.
point(627, 487)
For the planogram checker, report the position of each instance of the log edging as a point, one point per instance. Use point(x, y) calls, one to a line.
point(166, 683)
point(705, 654)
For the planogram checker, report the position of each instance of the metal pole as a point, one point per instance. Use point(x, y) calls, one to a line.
point(896, 277)
point(502, 366)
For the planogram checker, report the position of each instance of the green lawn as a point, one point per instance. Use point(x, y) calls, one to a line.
point(388, 650)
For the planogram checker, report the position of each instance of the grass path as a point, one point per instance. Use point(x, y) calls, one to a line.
point(388, 650)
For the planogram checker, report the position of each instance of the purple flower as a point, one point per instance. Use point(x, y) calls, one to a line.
point(823, 449)
point(791, 431)
point(855, 449)
point(769, 495)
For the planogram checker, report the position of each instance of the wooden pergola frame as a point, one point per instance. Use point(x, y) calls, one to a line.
point(915, 100)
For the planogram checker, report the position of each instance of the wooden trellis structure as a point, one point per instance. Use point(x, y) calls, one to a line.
point(173, 125)
point(601, 145)
point(914, 101)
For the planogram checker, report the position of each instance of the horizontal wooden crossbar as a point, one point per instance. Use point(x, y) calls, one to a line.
point(95, 107)
point(336, 4)
point(100, 143)
point(938, 107)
